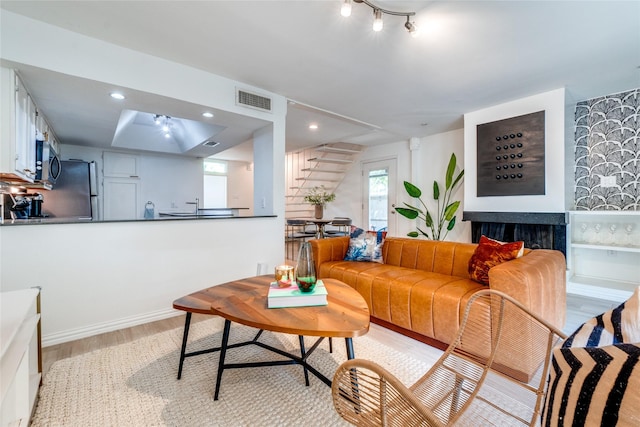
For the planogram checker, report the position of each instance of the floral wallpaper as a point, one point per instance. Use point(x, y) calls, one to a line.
point(608, 145)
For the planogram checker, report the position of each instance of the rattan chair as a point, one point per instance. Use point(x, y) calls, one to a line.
point(494, 373)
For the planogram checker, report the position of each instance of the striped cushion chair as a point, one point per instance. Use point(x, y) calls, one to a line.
point(595, 374)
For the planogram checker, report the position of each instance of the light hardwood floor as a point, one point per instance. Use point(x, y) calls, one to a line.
point(579, 309)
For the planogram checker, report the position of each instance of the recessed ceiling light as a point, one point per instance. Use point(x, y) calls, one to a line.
point(313, 126)
point(117, 95)
point(207, 114)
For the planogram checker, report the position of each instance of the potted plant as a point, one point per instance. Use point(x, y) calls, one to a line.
point(319, 196)
point(445, 212)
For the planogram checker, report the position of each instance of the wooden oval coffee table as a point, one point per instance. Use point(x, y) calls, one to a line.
point(245, 301)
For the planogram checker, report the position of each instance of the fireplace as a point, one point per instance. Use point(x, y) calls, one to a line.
point(537, 230)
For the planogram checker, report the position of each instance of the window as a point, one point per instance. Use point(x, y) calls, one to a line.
point(215, 167)
point(378, 198)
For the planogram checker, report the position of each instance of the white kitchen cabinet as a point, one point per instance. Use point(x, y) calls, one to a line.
point(120, 165)
point(121, 198)
point(18, 130)
point(21, 357)
point(42, 126)
point(604, 254)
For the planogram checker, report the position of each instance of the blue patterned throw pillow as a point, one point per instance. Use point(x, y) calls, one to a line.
point(365, 245)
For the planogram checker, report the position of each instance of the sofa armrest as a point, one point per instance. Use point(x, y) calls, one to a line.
point(538, 281)
point(330, 249)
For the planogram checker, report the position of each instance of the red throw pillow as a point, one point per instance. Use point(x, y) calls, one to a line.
point(490, 253)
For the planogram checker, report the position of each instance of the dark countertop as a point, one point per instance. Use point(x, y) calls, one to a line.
point(42, 221)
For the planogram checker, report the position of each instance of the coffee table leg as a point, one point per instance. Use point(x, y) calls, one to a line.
point(183, 350)
point(355, 392)
point(303, 352)
point(223, 352)
point(349, 343)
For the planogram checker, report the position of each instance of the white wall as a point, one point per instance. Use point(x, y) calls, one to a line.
point(349, 194)
point(433, 157)
point(98, 277)
point(102, 276)
point(240, 186)
point(431, 160)
point(165, 180)
point(31, 42)
point(553, 103)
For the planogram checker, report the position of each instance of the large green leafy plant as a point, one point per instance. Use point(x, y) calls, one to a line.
point(445, 214)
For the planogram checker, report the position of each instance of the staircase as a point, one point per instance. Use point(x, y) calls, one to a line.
point(324, 165)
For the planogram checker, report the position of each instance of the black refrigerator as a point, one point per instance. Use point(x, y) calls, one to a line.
point(74, 194)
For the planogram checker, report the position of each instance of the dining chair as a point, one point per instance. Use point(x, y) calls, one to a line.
point(341, 227)
point(295, 231)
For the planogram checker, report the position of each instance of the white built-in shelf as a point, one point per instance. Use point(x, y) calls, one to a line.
point(330, 160)
point(604, 254)
point(595, 287)
point(607, 247)
point(605, 213)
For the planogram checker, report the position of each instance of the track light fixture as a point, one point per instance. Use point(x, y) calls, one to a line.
point(345, 10)
point(377, 20)
point(165, 123)
point(411, 27)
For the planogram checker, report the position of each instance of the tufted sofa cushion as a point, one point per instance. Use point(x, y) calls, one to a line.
point(423, 286)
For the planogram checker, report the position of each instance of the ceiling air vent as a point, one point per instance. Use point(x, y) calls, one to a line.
point(210, 143)
point(253, 100)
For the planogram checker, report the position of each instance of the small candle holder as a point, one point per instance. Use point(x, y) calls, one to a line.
point(285, 275)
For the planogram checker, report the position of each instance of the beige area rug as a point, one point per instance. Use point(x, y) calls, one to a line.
point(135, 384)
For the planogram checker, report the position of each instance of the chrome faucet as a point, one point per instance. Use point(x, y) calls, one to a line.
point(197, 203)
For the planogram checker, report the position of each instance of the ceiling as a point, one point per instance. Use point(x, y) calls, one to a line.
point(357, 85)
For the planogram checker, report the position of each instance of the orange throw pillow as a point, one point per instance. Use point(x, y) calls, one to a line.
point(490, 253)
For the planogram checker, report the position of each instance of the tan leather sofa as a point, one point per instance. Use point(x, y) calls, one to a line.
point(423, 286)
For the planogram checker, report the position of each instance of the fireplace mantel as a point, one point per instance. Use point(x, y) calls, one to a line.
point(548, 218)
point(542, 230)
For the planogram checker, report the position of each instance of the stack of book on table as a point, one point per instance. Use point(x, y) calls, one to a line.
point(291, 296)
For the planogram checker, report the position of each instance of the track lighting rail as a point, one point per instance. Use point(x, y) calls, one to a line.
point(378, 12)
point(385, 11)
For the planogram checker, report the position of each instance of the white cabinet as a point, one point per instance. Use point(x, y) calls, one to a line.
point(604, 254)
point(18, 129)
point(121, 186)
point(20, 363)
point(42, 126)
point(120, 165)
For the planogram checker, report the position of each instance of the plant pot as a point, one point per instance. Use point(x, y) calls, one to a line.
point(319, 211)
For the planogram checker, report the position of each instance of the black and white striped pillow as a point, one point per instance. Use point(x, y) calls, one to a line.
point(595, 375)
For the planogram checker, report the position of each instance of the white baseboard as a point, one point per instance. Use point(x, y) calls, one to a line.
point(100, 328)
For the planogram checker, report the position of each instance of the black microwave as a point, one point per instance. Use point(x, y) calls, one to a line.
point(48, 166)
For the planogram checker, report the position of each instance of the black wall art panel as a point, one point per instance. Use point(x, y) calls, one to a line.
point(608, 146)
point(511, 156)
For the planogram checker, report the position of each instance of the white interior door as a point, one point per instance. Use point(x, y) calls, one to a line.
point(379, 194)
